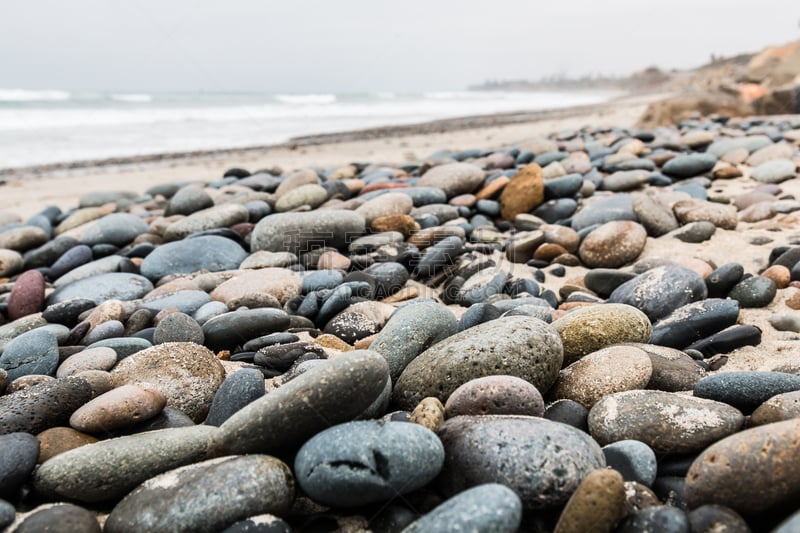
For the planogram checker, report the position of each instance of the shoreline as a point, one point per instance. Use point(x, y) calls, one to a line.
point(29, 190)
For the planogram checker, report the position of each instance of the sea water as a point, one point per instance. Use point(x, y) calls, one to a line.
point(55, 126)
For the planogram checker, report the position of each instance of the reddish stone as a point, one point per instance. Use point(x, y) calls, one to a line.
point(27, 296)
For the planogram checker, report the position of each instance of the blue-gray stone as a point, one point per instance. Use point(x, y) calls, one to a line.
point(660, 291)
point(123, 346)
point(389, 277)
point(363, 462)
point(545, 158)
point(686, 166)
point(238, 389)
point(117, 228)
point(64, 517)
point(106, 265)
point(410, 331)
point(774, 171)
point(490, 507)
point(502, 448)
point(34, 352)
point(210, 253)
point(441, 254)
point(695, 321)
point(209, 310)
point(178, 327)
point(478, 314)
point(72, 258)
point(635, 460)
point(419, 195)
point(18, 455)
point(7, 513)
point(756, 291)
point(226, 331)
point(563, 187)
point(750, 142)
point(617, 207)
point(43, 406)
point(477, 290)
point(746, 390)
point(790, 525)
point(695, 232)
point(554, 210)
point(186, 301)
point(48, 253)
point(106, 330)
point(321, 279)
point(111, 286)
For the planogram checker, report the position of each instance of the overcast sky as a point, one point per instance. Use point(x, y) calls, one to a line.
point(365, 45)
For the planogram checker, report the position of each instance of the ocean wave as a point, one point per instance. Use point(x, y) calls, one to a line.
point(26, 95)
point(133, 98)
point(385, 95)
point(306, 99)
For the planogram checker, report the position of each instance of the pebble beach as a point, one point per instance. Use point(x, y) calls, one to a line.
point(570, 324)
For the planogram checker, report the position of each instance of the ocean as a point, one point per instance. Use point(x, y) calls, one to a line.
point(54, 126)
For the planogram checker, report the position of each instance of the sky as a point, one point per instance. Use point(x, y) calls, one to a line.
point(313, 46)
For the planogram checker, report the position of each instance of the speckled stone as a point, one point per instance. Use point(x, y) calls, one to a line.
point(178, 327)
point(111, 286)
point(695, 321)
point(692, 210)
point(362, 462)
point(487, 507)
point(661, 518)
point(11, 262)
point(613, 244)
point(220, 216)
point(495, 395)
point(597, 504)
point(187, 373)
point(206, 497)
point(43, 406)
point(746, 390)
point(750, 471)
point(756, 291)
point(298, 232)
point(588, 329)
point(713, 518)
point(32, 353)
point(109, 469)
point(62, 517)
point(328, 393)
point(501, 448)
point(673, 370)
point(519, 346)
point(667, 422)
point(661, 290)
point(280, 283)
point(239, 389)
point(429, 413)
point(780, 407)
point(606, 371)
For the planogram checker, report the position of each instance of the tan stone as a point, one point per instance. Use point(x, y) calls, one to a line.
point(523, 193)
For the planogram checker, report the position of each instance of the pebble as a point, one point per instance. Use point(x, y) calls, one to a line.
point(220, 216)
point(178, 327)
point(710, 518)
point(501, 448)
point(694, 210)
point(657, 218)
point(107, 470)
point(673, 370)
point(279, 283)
point(751, 471)
point(18, 454)
point(70, 519)
point(495, 395)
point(696, 232)
point(523, 193)
point(363, 462)
point(110, 286)
point(118, 408)
point(453, 178)
point(601, 373)
point(686, 166)
point(32, 353)
point(487, 507)
point(118, 229)
point(660, 291)
point(7, 513)
point(228, 330)
point(188, 200)
point(667, 422)
point(597, 504)
point(613, 244)
point(783, 406)
point(518, 346)
point(186, 256)
point(11, 262)
point(588, 329)
point(27, 296)
point(756, 291)
point(695, 321)
point(332, 392)
point(633, 459)
point(298, 232)
point(207, 496)
point(39, 407)
point(186, 373)
point(774, 171)
point(58, 440)
point(746, 390)
point(661, 518)
point(239, 389)
point(263, 523)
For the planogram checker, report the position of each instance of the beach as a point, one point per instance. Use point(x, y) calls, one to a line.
point(416, 314)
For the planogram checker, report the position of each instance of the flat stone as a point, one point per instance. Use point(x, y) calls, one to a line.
point(118, 408)
point(519, 346)
point(228, 330)
point(453, 178)
point(299, 232)
point(686, 166)
point(280, 283)
point(111, 286)
point(751, 471)
point(616, 207)
point(774, 171)
point(692, 210)
point(660, 291)
point(310, 194)
point(501, 448)
point(746, 390)
point(588, 329)
point(695, 232)
point(117, 228)
point(613, 244)
point(22, 238)
point(109, 469)
point(606, 371)
point(66, 517)
point(187, 200)
point(673, 370)
point(188, 301)
point(363, 462)
point(207, 496)
point(487, 507)
point(187, 373)
point(221, 216)
point(389, 204)
point(209, 252)
point(667, 422)
point(328, 393)
point(625, 180)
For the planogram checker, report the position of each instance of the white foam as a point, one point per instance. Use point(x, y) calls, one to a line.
point(25, 95)
point(305, 99)
point(133, 98)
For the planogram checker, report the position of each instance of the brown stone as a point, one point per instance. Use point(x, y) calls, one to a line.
point(793, 301)
point(726, 172)
point(405, 224)
point(428, 413)
point(613, 244)
point(333, 261)
point(566, 237)
point(463, 200)
point(549, 251)
point(27, 296)
point(693, 210)
point(781, 275)
point(596, 505)
point(492, 188)
point(778, 408)
point(750, 471)
point(118, 408)
point(406, 293)
point(523, 193)
point(277, 282)
point(326, 340)
point(58, 440)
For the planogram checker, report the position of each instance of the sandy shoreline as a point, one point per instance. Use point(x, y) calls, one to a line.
point(27, 191)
